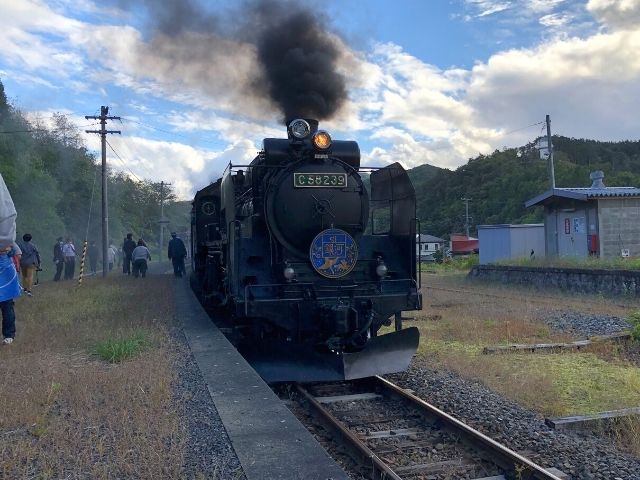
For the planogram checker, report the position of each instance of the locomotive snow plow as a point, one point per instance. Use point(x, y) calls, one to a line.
point(286, 362)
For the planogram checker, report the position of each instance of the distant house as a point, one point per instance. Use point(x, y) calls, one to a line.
point(460, 244)
point(598, 220)
point(428, 245)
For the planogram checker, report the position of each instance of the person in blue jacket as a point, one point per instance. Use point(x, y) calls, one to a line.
point(9, 283)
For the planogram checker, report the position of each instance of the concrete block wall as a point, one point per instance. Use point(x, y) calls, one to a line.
point(609, 282)
point(619, 222)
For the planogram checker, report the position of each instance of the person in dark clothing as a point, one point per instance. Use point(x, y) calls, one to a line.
point(127, 249)
point(93, 256)
point(29, 262)
point(177, 251)
point(58, 259)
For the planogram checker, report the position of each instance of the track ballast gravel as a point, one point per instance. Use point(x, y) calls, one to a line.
point(582, 457)
point(583, 324)
point(209, 453)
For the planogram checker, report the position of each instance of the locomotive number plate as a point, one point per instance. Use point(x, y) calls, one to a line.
point(326, 180)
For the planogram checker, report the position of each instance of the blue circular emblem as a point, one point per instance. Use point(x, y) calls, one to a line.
point(333, 253)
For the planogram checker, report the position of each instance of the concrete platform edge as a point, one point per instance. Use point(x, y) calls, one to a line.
point(268, 439)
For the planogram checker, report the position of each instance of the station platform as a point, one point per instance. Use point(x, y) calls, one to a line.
point(268, 439)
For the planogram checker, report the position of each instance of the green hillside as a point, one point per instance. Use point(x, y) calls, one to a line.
point(500, 183)
point(55, 183)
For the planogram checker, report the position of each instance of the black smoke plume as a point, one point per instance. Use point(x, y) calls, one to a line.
point(293, 64)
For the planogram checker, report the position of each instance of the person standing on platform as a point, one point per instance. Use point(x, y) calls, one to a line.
point(29, 262)
point(69, 252)
point(58, 259)
point(177, 251)
point(9, 283)
point(127, 249)
point(93, 256)
point(112, 253)
point(140, 256)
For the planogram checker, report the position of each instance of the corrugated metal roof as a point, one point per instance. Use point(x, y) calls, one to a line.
point(584, 194)
point(606, 191)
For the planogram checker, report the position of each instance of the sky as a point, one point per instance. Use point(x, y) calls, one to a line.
point(426, 81)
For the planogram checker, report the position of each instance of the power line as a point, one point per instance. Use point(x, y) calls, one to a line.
point(33, 130)
point(123, 163)
point(523, 128)
point(168, 131)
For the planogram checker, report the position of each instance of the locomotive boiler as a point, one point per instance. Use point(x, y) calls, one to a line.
point(306, 264)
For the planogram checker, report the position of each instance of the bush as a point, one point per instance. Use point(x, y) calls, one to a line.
point(634, 320)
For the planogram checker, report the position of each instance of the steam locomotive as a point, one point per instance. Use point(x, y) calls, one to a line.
point(306, 265)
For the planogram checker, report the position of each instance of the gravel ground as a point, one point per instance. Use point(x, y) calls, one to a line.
point(584, 324)
point(209, 453)
point(582, 457)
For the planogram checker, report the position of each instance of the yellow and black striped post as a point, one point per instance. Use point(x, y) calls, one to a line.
point(84, 255)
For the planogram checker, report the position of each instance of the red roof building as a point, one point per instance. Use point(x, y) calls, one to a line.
point(463, 245)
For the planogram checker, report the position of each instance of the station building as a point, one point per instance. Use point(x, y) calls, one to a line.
point(596, 221)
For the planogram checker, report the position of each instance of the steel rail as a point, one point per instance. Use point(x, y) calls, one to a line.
point(379, 469)
point(494, 451)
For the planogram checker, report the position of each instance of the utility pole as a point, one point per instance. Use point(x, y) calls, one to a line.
point(552, 173)
point(163, 221)
point(466, 223)
point(104, 111)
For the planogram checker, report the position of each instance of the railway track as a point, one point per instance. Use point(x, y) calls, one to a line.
point(392, 434)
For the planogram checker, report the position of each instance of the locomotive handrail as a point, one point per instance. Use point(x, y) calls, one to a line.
point(299, 286)
point(419, 256)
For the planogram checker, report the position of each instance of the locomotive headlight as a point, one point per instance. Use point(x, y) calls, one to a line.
point(322, 140)
point(289, 273)
point(381, 269)
point(300, 128)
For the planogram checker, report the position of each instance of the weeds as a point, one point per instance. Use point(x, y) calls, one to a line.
point(634, 320)
point(460, 318)
point(116, 350)
point(66, 413)
point(454, 264)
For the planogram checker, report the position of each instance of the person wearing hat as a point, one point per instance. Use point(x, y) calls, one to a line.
point(176, 252)
point(58, 259)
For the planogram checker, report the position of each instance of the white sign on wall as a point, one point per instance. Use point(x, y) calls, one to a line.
point(579, 225)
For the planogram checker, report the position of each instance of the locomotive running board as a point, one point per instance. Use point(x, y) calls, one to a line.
point(286, 362)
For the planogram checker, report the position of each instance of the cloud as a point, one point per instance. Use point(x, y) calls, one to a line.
point(187, 168)
point(616, 14)
point(488, 7)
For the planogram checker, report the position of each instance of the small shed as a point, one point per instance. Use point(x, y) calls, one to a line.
point(509, 242)
point(461, 244)
point(598, 221)
point(427, 245)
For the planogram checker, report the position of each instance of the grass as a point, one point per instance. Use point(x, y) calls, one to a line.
point(454, 264)
point(66, 413)
point(460, 318)
point(116, 350)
